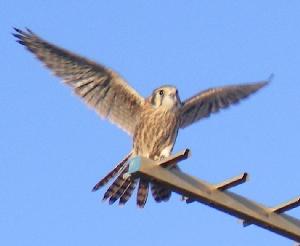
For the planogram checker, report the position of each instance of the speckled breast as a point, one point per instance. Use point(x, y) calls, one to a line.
point(155, 133)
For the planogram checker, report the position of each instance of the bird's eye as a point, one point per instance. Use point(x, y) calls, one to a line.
point(161, 92)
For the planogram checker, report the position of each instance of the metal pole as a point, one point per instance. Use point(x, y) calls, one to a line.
point(217, 196)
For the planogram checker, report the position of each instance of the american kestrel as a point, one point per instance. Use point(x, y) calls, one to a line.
point(153, 122)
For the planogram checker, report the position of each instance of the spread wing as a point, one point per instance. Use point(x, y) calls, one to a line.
point(214, 99)
point(100, 87)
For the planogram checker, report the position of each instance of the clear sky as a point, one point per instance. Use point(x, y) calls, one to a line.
point(53, 149)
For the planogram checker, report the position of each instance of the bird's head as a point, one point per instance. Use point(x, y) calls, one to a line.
point(166, 97)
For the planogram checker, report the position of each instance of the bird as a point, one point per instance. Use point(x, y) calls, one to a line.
point(152, 122)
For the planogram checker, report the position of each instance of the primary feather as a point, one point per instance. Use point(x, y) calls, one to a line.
point(100, 87)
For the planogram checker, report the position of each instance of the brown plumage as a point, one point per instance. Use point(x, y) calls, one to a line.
point(112, 173)
point(153, 122)
point(212, 100)
point(116, 185)
point(142, 192)
point(159, 192)
point(127, 194)
point(98, 86)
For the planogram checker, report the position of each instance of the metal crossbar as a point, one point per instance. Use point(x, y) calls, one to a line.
point(218, 196)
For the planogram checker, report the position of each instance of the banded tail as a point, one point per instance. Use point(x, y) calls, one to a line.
point(121, 189)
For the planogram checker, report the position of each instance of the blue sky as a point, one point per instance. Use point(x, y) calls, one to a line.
point(53, 149)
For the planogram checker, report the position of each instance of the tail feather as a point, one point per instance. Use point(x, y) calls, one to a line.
point(120, 191)
point(112, 173)
point(142, 193)
point(115, 185)
point(128, 192)
point(159, 192)
point(154, 192)
point(164, 193)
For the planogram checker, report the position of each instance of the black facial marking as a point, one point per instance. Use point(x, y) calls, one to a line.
point(153, 99)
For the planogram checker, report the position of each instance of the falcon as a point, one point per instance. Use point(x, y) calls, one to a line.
point(152, 122)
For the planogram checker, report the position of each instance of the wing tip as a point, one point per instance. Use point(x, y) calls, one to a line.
point(264, 83)
point(95, 188)
point(270, 78)
point(22, 35)
point(19, 35)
